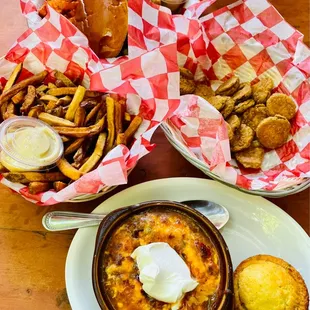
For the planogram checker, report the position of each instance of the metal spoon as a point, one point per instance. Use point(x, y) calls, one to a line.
point(62, 220)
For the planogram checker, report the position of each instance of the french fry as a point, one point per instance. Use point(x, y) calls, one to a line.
point(64, 139)
point(79, 156)
point(133, 127)
point(49, 98)
point(35, 111)
point(110, 124)
point(100, 115)
point(27, 177)
point(29, 99)
point(92, 94)
point(63, 101)
point(59, 112)
point(75, 103)
point(65, 80)
point(57, 92)
point(10, 111)
point(41, 89)
point(7, 95)
point(127, 117)
point(54, 120)
point(118, 118)
point(58, 185)
point(96, 155)
point(50, 106)
point(68, 170)
point(92, 113)
point(2, 168)
point(17, 70)
point(60, 83)
point(74, 146)
point(19, 97)
point(88, 103)
point(38, 187)
point(51, 85)
point(121, 139)
point(3, 110)
point(79, 117)
point(80, 132)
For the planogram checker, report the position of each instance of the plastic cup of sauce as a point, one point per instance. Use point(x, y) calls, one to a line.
point(28, 144)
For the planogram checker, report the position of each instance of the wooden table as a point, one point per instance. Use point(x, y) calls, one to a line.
point(32, 260)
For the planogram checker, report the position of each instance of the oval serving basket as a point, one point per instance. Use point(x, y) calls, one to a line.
point(304, 183)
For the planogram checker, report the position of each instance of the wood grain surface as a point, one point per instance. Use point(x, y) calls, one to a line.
point(32, 260)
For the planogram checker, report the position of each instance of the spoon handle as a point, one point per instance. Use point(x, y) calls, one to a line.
point(61, 220)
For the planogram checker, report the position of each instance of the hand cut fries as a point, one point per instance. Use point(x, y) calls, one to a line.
point(74, 146)
point(61, 91)
point(111, 125)
point(29, 99)
point(10, 111)
point(27, 177)
point(54, 120)
point(19, 97)
point(36, 111)
point(38, 187)
point(95, 157)
point(7, 95)
point(66, 81)
point(68, 170)
point(89, 123)
point(93, 113)
point(77, 99)
point(13, 77)
point(80, 132)
point(58, 185)
point(133, 127)
point(79, 117)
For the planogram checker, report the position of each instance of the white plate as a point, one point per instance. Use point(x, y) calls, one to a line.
point(256, 226)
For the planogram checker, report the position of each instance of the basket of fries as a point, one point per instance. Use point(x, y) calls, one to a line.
point(103, 112)
point(244, 112)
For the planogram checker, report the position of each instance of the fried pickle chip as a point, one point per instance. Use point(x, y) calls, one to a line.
point(230, 132)
point(234, 122)
point(244, 92)
point(253, 116)
point(273, 131)
point(228, 107)
point(229, 87)
point(204, 91)
point(218, 101)
point(251, 157)
point(243, 138)
point(281, 104)
point(243, 106)
point(187, 86)
point(261, 90)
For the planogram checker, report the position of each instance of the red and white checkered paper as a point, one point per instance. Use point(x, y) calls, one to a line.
point(251, 40)
point(149, 82)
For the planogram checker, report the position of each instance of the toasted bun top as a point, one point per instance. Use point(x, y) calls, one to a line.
point(104, 22)
point(107, 26)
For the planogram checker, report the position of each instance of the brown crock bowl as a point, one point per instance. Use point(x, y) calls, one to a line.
point(116, 218)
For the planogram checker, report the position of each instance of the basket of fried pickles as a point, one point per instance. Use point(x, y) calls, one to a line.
point(54, 131)
point(258, 123)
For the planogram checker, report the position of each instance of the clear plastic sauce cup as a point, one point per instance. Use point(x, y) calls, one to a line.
point(28, 144)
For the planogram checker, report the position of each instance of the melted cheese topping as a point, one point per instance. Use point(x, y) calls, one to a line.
point(121, 274)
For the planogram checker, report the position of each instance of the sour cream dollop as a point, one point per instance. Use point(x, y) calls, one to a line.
point(163, 273)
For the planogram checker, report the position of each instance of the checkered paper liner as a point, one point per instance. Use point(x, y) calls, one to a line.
point(251, 40)
point(54, 43)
